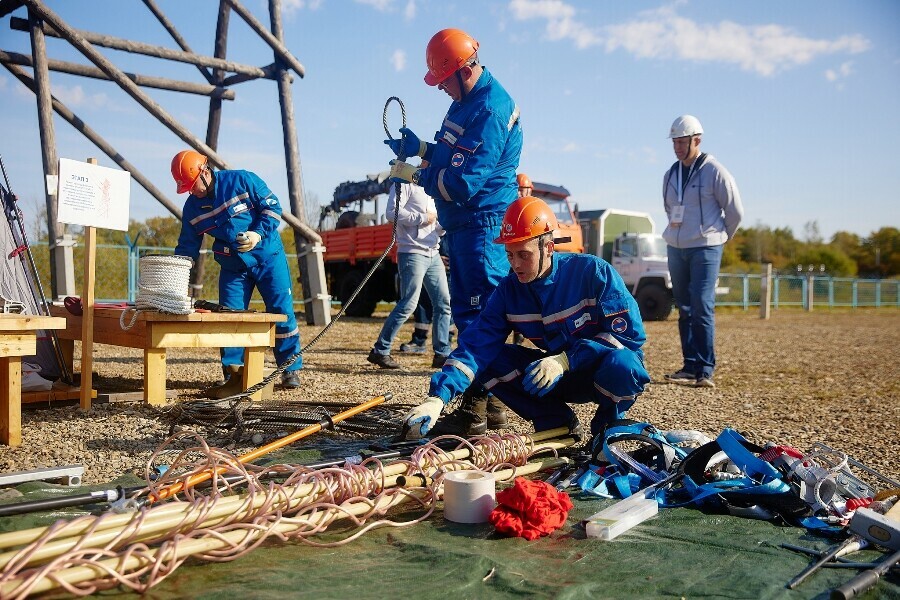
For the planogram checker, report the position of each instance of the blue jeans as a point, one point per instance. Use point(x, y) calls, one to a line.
point(421, 320)
point(418, 271)
point(694, 272)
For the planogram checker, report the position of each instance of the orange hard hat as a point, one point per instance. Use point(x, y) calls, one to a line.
point(526, 218)
point(186, 167)
point(523, 181)
point(448, 50)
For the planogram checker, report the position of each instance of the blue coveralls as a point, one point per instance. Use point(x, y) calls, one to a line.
point(241, 201)
point(583, 308)
point(472, 177)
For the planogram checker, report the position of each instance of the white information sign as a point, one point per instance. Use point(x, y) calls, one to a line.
point(92, 195)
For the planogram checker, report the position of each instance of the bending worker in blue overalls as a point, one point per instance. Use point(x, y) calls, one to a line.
point(472, 177)
point(574, 307)
point(242, 215)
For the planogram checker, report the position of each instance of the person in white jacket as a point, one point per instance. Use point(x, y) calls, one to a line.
point(704, 209)
point(419, 264)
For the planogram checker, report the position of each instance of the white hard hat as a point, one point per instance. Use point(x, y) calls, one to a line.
point(685, 126)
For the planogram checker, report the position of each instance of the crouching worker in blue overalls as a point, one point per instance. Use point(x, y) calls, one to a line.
point(242, 215)
point(574, 307)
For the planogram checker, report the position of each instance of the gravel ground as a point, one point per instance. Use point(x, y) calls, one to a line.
point(798, 378)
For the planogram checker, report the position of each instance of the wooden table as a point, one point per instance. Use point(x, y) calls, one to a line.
point(18, 338)
point(154, 332)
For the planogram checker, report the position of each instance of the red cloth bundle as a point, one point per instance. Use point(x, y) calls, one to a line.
point(530, 509)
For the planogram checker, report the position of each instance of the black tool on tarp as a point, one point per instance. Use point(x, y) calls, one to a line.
point(31, 506)
point(865, 580)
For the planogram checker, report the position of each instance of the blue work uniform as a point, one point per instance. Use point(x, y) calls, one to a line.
point(582, 308)
point(240, 201)
point(472, 177)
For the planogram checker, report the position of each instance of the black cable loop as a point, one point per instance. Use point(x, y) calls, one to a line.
point(290, 361)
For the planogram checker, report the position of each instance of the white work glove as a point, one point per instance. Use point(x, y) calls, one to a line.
point(404, 172)
point(419, 420)
point(542, 375)
point(247, 240)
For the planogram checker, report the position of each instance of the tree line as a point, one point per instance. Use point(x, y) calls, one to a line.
point(844, 255)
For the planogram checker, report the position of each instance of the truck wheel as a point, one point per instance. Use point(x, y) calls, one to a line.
point(655, 302)
point(363, 305)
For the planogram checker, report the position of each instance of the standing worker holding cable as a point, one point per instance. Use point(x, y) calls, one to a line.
point(242, 215)
point(472, 177)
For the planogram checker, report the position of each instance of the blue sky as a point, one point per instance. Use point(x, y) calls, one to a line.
point(799, 100)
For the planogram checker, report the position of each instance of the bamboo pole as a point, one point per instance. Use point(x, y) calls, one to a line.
point(108, 41)
point(161, 83)
point(126, 84)
point(227, 505)
point(76, 122)
point(186, 548)
point(279, 443)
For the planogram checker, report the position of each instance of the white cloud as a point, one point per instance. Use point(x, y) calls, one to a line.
point(664, 35)
point(409, 13)
point(292, 6)
point(75, 97)
point(379, 5)
point(836, 76)
point(763, 49)
point(560, 17)
point(398, 59)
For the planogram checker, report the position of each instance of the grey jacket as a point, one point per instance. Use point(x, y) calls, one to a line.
point(413, 235)
point(712, 205)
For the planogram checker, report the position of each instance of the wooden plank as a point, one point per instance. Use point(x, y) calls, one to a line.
point(209, 335)
point(17, 344)
point(87, 317)
point(73, 393)
point(155, 377)
point(115, 397)
point(29, 322)
point(254, 358)
point(10, 401)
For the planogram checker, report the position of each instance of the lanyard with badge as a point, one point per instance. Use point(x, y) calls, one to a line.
point(678, 211)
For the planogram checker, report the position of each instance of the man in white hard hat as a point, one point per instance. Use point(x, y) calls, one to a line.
point(704, 210)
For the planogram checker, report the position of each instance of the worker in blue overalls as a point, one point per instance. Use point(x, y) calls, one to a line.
point(578, 313)
point(472, 177)
point(242, 215)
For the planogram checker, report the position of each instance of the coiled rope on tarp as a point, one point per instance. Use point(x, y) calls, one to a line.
point(162, 286)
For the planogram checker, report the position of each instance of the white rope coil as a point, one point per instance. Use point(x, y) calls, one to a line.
point(163, 286)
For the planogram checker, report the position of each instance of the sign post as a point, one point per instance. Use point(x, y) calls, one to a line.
point(91, 196)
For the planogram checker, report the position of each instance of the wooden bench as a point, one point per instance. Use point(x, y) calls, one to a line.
point(154, 332)
point(18, 338)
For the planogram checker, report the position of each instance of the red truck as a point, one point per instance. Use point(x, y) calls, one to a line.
point(355, 239)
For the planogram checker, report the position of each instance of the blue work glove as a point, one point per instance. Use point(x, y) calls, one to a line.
point(419, 420)
point(403, 172)
point(542, 375)
point(412, 145)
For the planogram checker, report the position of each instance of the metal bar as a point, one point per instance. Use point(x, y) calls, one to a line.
point(77, 40)
point(164, 21)
point(161, 83)
point(76, 122)
point(108, 41)
point(70, 473)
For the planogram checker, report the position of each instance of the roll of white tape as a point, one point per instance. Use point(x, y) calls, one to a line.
point(468, 496)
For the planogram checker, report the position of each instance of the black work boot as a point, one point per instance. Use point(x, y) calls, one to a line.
point(382, 360)
point(469, 419)
point(496, 414)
